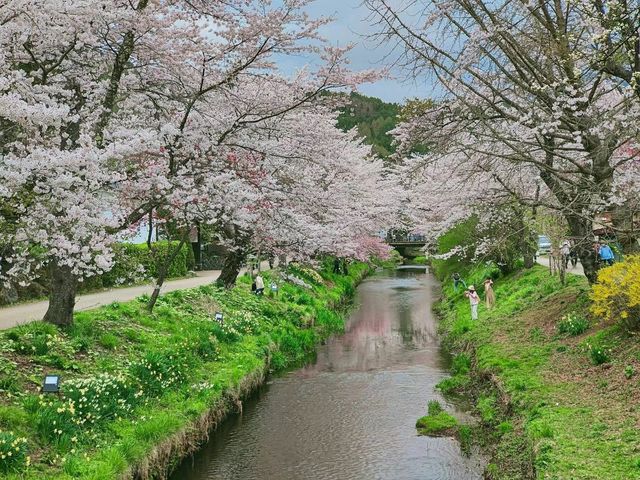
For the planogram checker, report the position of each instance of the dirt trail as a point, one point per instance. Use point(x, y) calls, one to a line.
point(576, 271)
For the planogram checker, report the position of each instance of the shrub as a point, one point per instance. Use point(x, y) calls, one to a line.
point(226, 333)
point(461, 364)
point(616, 296)
point(434, 407)
point(436, 424)
point(32, 339)
point(304, 299)
point(109, 341)
point(572, 324)
point(8, 383)
point(159, 371)
point(308, 275)
point(329, 318)
point(505, 427)
point(135, 262)
point(459, 235)
point(41, 340)
point(312, 275)
point(599, 354)
point(206, 347)
point(391, 261)
point(453, 384)
point(629, 371)
point(13, 452)
point(538, 429)
point(87, 403)
point(437, 421)
point(81, 344)
point(465, 437)
point(421, 260)
point(487, 408)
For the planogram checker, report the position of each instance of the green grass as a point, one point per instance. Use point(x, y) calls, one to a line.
point(132, 380)
point(551, 413)
point(437, 421)
point(434, 424)
point(421, 260)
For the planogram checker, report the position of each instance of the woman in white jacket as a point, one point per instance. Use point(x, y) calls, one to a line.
point(474, 300)
point(259, 285)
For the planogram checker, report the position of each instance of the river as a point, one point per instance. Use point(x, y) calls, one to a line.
point(351, 414)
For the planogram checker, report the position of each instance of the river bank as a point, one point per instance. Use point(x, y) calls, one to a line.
point(139, 390)
point(557, 391)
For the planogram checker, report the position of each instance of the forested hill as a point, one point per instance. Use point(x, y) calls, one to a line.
point(374, 119)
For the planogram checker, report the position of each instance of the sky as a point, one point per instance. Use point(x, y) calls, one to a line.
point(352, 25)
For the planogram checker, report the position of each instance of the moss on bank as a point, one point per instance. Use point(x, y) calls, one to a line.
point(556, 402)
point(141, 390)
point(437, 421)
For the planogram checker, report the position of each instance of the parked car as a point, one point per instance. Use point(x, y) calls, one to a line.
point(544, 244)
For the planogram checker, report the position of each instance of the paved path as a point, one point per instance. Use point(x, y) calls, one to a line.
point(576, 271)
point(27, 312)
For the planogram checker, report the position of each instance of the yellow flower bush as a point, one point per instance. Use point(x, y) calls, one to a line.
point(616, 296)
point(313, 275)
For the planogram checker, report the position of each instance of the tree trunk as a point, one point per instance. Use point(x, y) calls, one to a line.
point(562, 271)
point(231, 268)
point(588, 260)
point(62, 296)
point(156, 290)
point(582, 229)
point(529, 260)
point(528, 250)
point(197, 254)
point(197, 248)
point(162, 273)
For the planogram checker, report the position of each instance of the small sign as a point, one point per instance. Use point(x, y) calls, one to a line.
point(51, 384)
point(219, 317)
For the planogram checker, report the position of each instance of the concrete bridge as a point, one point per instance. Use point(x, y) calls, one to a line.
point(408, 246)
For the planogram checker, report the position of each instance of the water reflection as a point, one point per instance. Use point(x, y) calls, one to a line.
point(392, 325)
point(351, 414)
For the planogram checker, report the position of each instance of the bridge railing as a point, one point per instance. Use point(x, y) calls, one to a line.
point(409, 238)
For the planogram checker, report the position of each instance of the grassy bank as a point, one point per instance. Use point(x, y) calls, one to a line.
point(140, 390)
point(558, 393)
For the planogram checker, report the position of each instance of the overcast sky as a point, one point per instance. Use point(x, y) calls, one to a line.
point(350, 26)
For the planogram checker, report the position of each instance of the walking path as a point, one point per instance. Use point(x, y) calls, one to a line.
point(27, 312)
point(577, 270)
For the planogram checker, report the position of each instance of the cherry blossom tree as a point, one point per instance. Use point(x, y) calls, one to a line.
point(296, 186)
point(523, 97)
point(113, 110)
point(60, 73)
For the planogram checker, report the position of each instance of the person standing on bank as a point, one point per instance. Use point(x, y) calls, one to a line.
point(606, 254)
point(457, 280)
point(573, 255)
point(474, 301)
point(259, 285)
point(489, 294)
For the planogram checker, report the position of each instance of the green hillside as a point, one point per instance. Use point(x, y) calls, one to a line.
point(373, 118)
